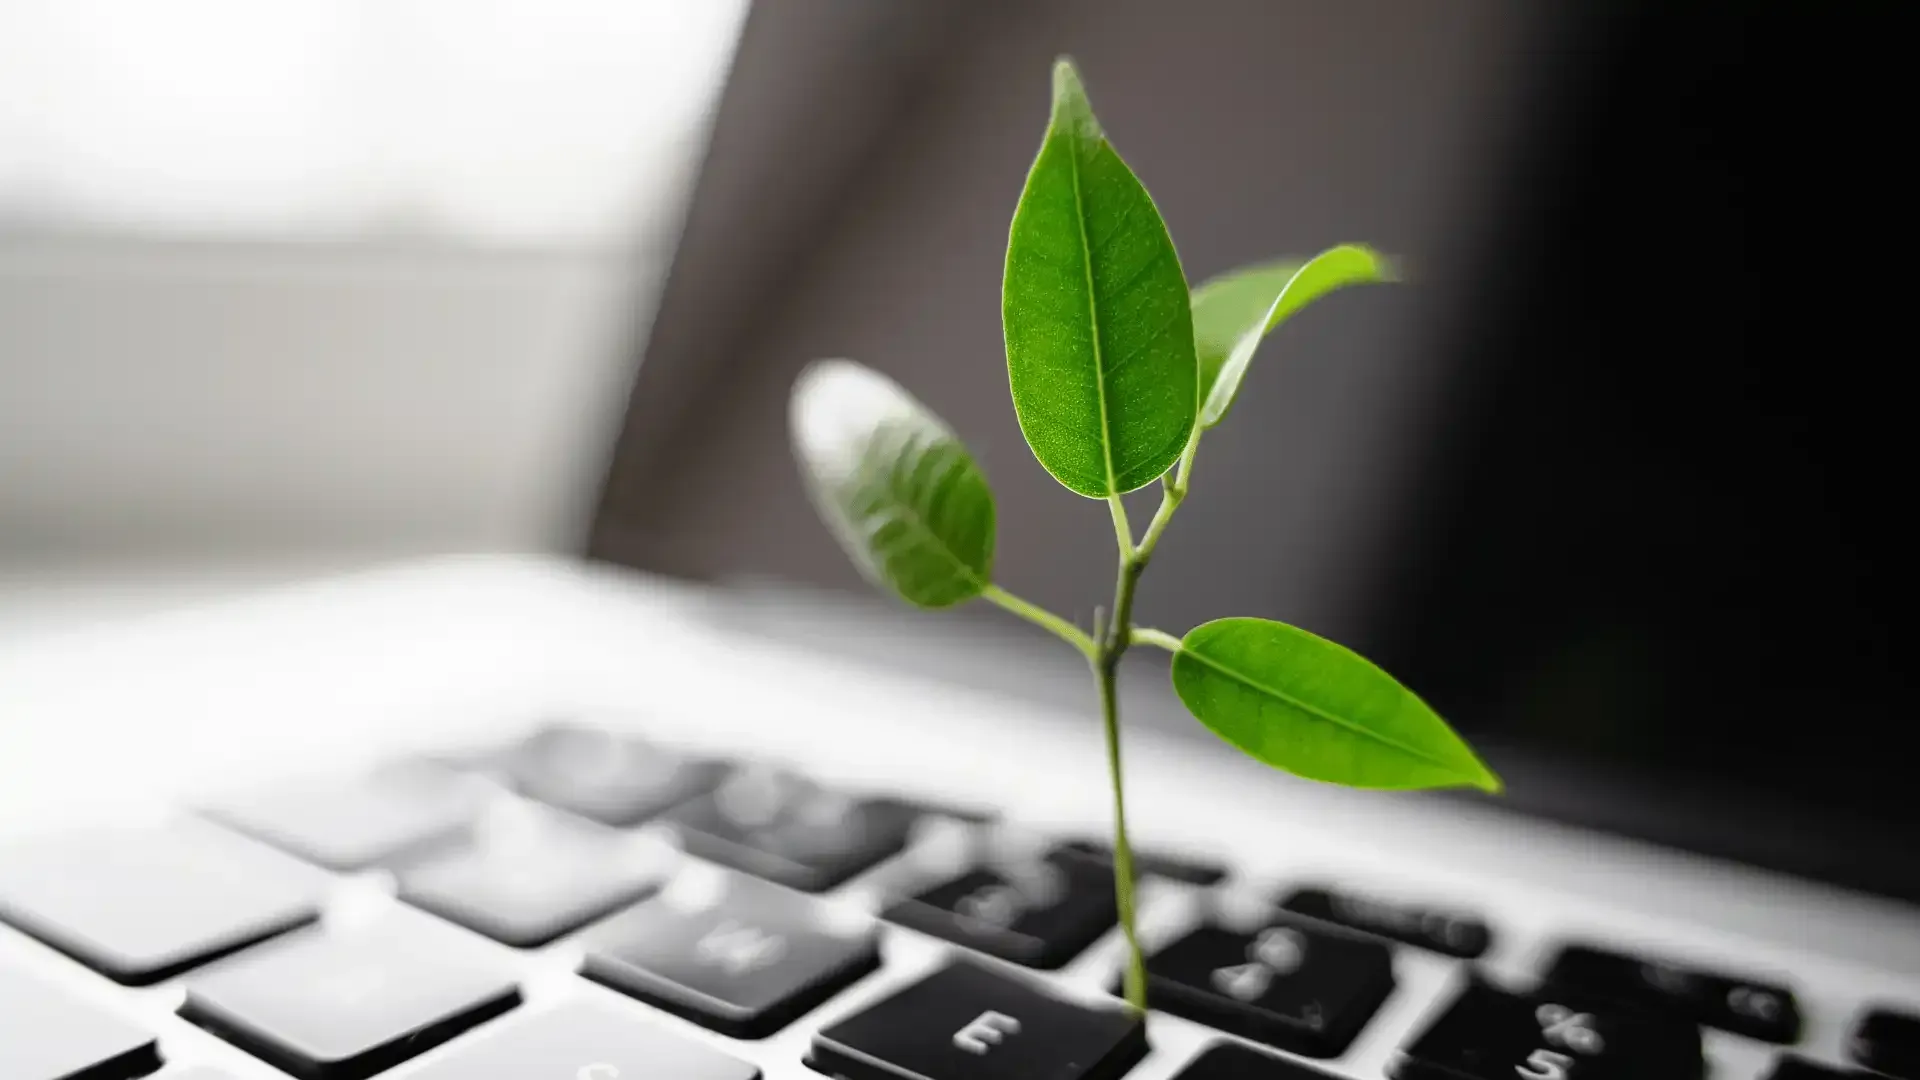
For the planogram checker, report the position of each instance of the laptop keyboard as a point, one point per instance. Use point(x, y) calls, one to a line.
point(1490, 1032)
point(1040, 913)
point(1288, 985)
point(47, 1034)
point(345, 1005)
point(1744, 1006)
point(742, 900)
point(733, 954)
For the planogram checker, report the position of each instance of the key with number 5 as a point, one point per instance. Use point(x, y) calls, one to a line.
point(1490, 1034)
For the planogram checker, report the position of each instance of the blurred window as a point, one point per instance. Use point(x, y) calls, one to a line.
point(550, 123)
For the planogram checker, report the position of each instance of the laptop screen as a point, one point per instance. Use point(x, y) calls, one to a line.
point(1620, 507)
point(1655, 534)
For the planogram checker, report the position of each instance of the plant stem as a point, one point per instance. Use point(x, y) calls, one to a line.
point(1122, 531)
point(1173, 492)
point(1114, 638)
point(1184, 471)
point(1135, 979)
point(1043, 618)
point(1103, 651)
point(1170, 499)
point(1146, 635)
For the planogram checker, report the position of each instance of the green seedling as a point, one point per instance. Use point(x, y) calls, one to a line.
point(1117, 370)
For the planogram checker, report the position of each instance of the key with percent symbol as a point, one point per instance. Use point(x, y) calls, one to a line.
point(1488, 1033)
point(1758, 1009)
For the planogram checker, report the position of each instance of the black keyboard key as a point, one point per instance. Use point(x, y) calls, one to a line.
point(1490, 1034)
point(1448, 932)
point(531, 875)
point(325, 1005)
point(1888, 1041)
point(47, 1035)
point(1288, 985)
point(1743, 1006)
point(1229, 1062)
point(584, 1041)
point(382, 818)
point(966, 1022)
point(1039, 912)
point(1179, 868)
point(1794, 1067)
point(613, 779)
point(732, 953)
point(142, 905)
point(789, 830)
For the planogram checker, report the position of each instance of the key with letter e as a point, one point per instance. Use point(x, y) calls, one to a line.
point(985, 1032)
point(966, 1022)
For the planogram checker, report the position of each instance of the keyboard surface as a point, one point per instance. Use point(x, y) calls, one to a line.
point(531, 935)
point(704, 905)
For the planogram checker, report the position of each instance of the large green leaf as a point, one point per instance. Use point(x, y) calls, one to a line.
point(1232, 312)
point(1095, 308)
point(895, 485)
point(1307, 705)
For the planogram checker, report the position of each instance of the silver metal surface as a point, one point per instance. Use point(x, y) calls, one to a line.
point(131, 720)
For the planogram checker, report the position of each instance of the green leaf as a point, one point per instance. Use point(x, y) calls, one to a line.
point(1307, 705)
point(897, 488)
point(1098, 328)
point(1232, 312)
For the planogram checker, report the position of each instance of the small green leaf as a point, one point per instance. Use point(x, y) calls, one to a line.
point(1098, 328)
point(896, 487)
point(1232, 312)
point(1307, 705)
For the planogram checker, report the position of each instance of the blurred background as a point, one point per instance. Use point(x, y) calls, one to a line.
point(313, 280)
point(310, 284)
point(329, 280)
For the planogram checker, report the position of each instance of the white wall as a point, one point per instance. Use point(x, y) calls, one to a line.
point(217, 400)
point(328, 276)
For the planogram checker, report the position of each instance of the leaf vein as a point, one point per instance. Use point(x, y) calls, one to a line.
point(1093, 311)
point(1120, 226)
point(1145, 344)
point(1316, 711)
point(910, 516)
point(1147, 265)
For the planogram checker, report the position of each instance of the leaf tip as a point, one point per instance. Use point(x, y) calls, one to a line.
point(1474, 772)
point(1071, 109)
point(1355, 264)
point(1487, 780)
point(814, 374)
point(1385, 268)
point(1066, 78)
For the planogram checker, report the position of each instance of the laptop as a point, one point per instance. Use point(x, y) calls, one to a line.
point(700, 807)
